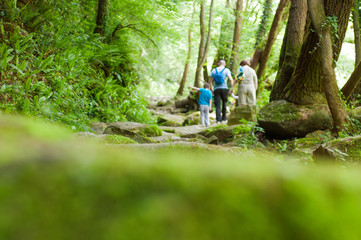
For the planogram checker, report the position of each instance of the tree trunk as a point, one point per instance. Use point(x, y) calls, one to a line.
point(256, 57)
point(202, 44)
point(224, 43)
point(203, 55)
point(261, 34)
point(352, 82)
point(323, 28)
point(189, 56)
point(306, 86)
point(291, 47)
point(236, 37)
point(102, 15)
point(205, 72)
point(356, 26)
point(275, 29)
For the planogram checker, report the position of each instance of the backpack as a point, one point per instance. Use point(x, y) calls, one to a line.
point(218, 77)
point(240, 75)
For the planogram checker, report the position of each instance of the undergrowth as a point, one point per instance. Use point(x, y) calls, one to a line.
point(52, 66)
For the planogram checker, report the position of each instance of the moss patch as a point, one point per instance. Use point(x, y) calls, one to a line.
point(152, 131)
point(118, 139)
point(279, 111)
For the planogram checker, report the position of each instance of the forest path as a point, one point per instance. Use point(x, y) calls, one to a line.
point(176, 128)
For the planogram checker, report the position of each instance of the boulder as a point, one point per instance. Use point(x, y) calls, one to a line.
point(192, 119)
point(170, 120)
point(343, 149)
point(223, 133)
point(212, 140)
point(306, 146)
point(247, 112)
point(99, 127)
point(136, 131)
point(282, 119)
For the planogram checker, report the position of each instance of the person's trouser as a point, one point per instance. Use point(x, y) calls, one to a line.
point(246, 94)
point(204, 115)
point(220, 100)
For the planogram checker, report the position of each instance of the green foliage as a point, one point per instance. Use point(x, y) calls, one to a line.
point(244, 127)
point(246, 134)
point(53, 66)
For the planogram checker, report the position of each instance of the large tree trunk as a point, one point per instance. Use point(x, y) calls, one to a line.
point(291, 47)
point(203, 55)
point(356, 26)
point(236, 37)
point(189, 56)
point(323, 28)
point(275, 29)
point(261, 34)
point(225, 40)
point(102, 15)
point(352, 82)
point(306, 85)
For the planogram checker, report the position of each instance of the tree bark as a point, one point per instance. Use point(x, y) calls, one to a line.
point(205, 72)
point(306, 85)
point(291, 47)
point(356, 26)
point(275, 28)
point(261, 34)
point(202, 44)
point(323, 28)
point(203, 58)
point(236, 37)
point(352, 82)
point(189, 56)
point(102, 16)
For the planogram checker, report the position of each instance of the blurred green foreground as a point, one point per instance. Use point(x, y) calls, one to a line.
point(55, 187)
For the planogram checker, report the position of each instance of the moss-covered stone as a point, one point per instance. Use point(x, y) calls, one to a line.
point(192, 119)
point(170, 123)
point(152, 131)
point(282, 119)
point(343, 149)
point(118, 139)
point(240, 113)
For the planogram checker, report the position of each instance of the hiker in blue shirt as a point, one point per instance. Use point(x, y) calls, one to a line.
point(205, 103)
point(219, 75)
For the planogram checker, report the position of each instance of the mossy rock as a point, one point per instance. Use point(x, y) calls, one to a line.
point(223, 133)
point(343, 150)
point(170, 120)
point(240, 113)
point(152, 131)
point(282, 119)
point(118, 139)
point(131, 129)
point(170, 123)
point(306, 146)
point(99, 127)
point(192, 119)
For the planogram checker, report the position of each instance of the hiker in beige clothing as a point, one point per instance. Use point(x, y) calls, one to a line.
point(248, 87)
